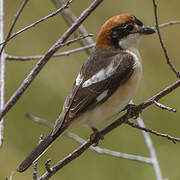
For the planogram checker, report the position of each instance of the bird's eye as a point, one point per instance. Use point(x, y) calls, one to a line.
point(130, 27)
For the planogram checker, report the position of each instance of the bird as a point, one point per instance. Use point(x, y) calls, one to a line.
point(106, 83)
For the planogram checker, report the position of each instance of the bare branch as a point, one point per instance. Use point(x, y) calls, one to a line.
point(110, 152)
point(151, 150)
point(162, 43)
point(35, 163)
point(60, 43)
point(35, 170)
point(173, 139)
point(40, 121)
point(150, 147)
point(66, 53)
point(2, 70)
point(13, 24)
point(123, 119)
point(39, 21)
point(169, 24)
point(2, 58)
point(70, 18)
point(96, 149)
point(48, 166)
point(11, 176)
point(164, 107)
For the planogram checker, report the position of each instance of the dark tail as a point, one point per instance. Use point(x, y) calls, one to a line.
point(38, 151)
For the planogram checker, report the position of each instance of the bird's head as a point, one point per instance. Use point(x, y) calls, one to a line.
point(122, 31)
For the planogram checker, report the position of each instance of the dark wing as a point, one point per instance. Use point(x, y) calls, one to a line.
point(82, 98)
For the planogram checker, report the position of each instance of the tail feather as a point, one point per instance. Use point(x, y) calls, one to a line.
point(36, 153)
point(39, 150)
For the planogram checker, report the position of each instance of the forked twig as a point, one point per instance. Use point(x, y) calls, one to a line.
point(37, 22)
point(169, 62)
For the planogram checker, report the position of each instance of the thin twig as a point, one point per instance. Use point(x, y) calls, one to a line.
point(48, 166)
point(150, 147)
point(152, 151)
point(35, 163)
point(66, 5)
point(66, 53)
point(40, 121)
point(11, 176)
point(2, 58)
point(2, 70)
point(169, 62)
point(169, 23)
point(70, 18)
point(173, 139)
point(35, 170)
point(164, 107)
point(123, 119)
point(13, 24)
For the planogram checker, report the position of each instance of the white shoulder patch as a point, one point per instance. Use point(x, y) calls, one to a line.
point(102, 74)
point(79, 79)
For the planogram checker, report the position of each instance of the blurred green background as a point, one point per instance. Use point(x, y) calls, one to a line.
point(45, 96)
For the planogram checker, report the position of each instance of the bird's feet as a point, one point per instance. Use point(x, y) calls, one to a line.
point(96, 136)
point(133, 110)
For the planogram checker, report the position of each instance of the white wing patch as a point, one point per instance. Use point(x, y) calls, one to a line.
point(102, 74)
point(79, 79)
point(102, 96)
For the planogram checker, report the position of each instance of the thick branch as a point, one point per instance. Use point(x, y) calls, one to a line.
point(14, 98)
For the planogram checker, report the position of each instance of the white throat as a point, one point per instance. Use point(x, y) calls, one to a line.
point(131, 42)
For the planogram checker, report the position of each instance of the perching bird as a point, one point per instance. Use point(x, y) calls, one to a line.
point(106, 82)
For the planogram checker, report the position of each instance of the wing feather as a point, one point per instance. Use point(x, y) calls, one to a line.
point(81, 98)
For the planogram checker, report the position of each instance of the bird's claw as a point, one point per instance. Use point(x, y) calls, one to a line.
point(96, 136)
point(133, 111)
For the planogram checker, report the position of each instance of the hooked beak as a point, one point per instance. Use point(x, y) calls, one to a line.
point(146, 30)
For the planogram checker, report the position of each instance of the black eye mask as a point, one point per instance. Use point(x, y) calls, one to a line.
point(122, 31)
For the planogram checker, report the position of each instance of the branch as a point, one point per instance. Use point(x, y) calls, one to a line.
point(110, 152)
point(123, 119)
point(162, 43)
point(96, 149)
point(14, 98)
point(173, 139)
point(13, 24)
point(2, 59)
point(70, 18)
point(150, 147)
point(151, 150)
point(169, 24)
point(164, 107)
point(66, 53)
point(39, 21)
point(2, 69)
point(35, 163)
point(11, 176)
